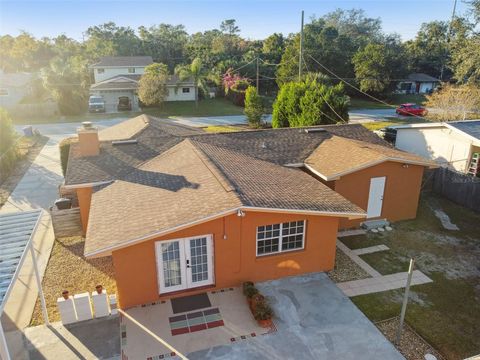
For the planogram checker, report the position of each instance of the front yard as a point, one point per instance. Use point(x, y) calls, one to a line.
point(446, 312)
point(68, 269)
point(207, 107)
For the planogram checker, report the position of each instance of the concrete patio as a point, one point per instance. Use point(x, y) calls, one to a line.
point(314, 320)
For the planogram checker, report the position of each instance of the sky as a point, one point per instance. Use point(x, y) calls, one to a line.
point(256, 19)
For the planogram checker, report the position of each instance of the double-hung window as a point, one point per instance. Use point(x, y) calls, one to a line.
point(277, 238)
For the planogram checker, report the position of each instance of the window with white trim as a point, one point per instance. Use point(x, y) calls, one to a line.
point(277, 238)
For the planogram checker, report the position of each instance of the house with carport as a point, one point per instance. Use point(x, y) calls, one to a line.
point(181, 211)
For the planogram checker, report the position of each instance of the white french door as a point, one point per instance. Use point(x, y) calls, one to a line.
point(375, 197)
point(184, 263)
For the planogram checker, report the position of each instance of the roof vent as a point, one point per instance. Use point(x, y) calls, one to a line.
point(124, 142)
point(87, 125)
point(315, 130)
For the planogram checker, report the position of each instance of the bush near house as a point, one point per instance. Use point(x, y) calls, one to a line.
point(64, 152)
point(8, 145)
point(254, 107)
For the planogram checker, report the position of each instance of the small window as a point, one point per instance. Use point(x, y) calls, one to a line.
point(185, 90)
point(278, 238)
point(100, 71)
point(3, 92)
point(131, 70)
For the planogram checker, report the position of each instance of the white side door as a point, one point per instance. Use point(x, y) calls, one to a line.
point(375, 197)
point(199, 261)
point(171, 265)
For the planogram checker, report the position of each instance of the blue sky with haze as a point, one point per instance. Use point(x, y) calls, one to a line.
point(256, 19)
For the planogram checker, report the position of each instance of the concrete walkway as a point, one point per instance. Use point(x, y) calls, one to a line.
point(356, 259)
point(382, 283)
point(370, 249)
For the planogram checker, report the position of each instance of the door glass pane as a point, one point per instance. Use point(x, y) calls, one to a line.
point(171, 264)
point(199, 262)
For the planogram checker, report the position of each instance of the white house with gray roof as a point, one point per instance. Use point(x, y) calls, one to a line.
point(452, 144)
point(118, 76)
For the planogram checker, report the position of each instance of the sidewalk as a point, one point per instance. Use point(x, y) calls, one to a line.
point(37, 189)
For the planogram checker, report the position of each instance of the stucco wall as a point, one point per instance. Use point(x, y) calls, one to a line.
point(401, 194)
point(235, 258)
point(84, 196)
point(111, 72)
point(441, 144)
point(177, 94)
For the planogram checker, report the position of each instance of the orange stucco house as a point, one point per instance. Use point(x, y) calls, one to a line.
point(181, 211)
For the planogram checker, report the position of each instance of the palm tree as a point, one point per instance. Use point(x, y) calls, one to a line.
point(196, 72)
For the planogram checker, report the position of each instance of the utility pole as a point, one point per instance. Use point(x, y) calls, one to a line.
point(449, 31)
point(301, 52)
point(258, 81)
point(405, 301)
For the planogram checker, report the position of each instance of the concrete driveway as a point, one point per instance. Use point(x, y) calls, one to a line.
point(314, 321)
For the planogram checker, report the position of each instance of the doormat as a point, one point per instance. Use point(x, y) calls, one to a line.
point(190, 303)
point(196, 321)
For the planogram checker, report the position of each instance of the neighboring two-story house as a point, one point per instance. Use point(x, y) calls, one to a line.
point(118, 76)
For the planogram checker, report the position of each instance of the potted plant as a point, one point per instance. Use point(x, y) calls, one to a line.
point(256, 300)
point(249, 293)
point(246, 285)
point(263, 314)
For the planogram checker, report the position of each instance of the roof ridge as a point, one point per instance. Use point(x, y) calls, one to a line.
point(221, 178)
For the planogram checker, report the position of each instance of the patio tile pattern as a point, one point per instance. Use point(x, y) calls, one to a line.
point(195, 321)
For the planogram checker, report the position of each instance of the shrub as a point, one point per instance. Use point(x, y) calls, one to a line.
point(65, 151)
point(250, 292)
point(254, 107)
point(8, 146)
point(246, 285)
point(263, 312)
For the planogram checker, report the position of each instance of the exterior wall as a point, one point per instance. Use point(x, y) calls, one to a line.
point(114, 71)
point(179, 95)
point(111, 98)
point(235, 258)
point(84, 196)
point(401, 194)
point(425, 87)
point(446, 146)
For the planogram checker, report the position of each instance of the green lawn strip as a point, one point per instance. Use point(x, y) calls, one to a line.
point(356, 103)
point(392, 100)
point(387, 262)
point(362, 241)
point(224, 128)
point(208, 107)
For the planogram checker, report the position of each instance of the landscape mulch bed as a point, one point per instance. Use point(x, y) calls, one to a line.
point(28, 150)
point(68, 269)
point(345, 269)
point(412, 346)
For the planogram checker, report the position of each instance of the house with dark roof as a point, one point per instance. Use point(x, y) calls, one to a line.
point(118, 76)
point(454, 144)
point(417, 83)
point(180, 210)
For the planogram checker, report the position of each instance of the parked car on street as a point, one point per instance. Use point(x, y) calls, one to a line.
point(124, 103)
point(96, 104)
point(411, 109)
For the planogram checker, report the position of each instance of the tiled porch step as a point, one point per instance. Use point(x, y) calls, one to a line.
point(355, 258)
point(371, 249)
point(382, 283)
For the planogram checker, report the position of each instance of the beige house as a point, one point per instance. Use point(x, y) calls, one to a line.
point(118, 76)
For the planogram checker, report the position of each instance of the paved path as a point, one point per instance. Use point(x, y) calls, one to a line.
point(370, 249)
point(355, 258)
point(382, 283)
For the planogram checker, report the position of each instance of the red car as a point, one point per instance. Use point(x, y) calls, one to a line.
point(411, 109)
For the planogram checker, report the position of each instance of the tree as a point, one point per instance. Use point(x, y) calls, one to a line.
point(111, 40)
point(8, 149)
point(229, 27)
point(254, 108)
point(196, 73)
point(309, 102)
point(152, 87)
point(377, 65)
point(455, 102)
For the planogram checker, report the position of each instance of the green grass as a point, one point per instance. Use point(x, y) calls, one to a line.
point(224, 128)
point(208, 107)
point(445, 312)
point(367, 103)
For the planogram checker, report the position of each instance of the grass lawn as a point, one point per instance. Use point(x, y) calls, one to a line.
point(207, 107)
point(367, 103)
point(376, 125)
point(67, 269)
point(446, 312)
point(225, 128)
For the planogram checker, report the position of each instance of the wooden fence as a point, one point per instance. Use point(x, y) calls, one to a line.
point(66, 222)
point(457, 187)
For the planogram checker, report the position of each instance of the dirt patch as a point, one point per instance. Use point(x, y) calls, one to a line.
point(29, 150)
point(345, 269)
point(68, 269)
point(412, 345)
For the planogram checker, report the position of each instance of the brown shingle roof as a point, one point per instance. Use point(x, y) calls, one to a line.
point(339, 156)
point(124, 130)
point(193, 182)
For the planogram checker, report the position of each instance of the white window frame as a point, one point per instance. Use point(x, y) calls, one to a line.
point(187, 90)
point(131, 70)
point(280, 239)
